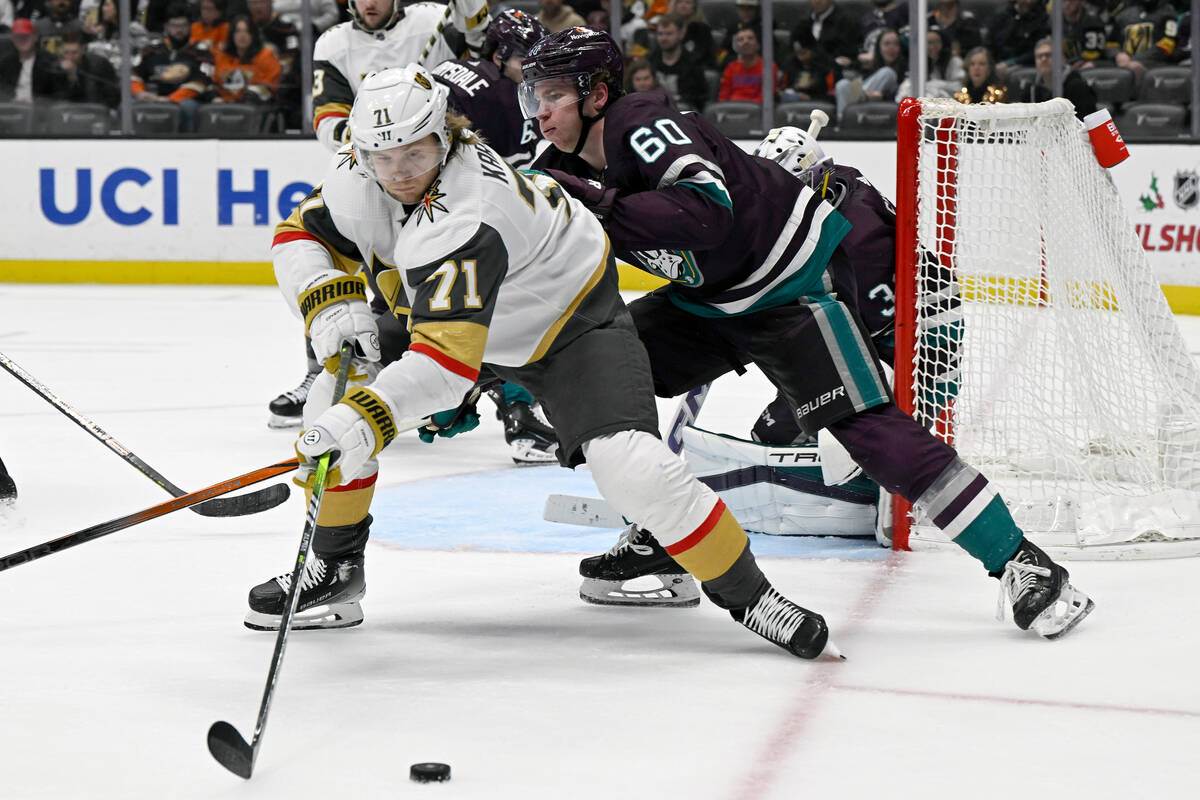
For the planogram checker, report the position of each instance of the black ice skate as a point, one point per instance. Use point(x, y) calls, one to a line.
point(330, 592)
point(636, 572)
point(531, 440)
point(780, 621)
point(8, 489)
point(287, 410)
point(1042, 598)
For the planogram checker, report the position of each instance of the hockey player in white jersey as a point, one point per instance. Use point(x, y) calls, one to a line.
point(506, 275)
point(382, 34)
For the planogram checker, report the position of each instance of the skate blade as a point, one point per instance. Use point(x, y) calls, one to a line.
point(674, 591)
point(525, 451)
point(276, 422)
point(1063, 614)
point(831, 652)
point(341, 615)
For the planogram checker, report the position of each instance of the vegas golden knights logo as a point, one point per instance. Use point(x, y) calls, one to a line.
point(422, 81)
point(382, 117)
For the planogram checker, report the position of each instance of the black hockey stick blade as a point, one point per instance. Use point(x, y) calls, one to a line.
point(252, 503)
point(243, 504)
point(230, 749)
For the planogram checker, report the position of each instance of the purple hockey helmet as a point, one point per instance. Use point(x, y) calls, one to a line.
point(512, 32)
point(577, 53)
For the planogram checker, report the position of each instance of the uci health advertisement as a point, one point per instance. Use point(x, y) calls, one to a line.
point(203, 211)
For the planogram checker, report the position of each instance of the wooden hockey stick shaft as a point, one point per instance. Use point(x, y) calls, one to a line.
point(436, 32)
point(129, 520)
point(252, 503)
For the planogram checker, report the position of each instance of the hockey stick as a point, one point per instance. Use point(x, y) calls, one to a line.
point(436, 32)
point(128, 521)
point(685, 414)
point(596, 513)
point(228, 746)
point(252, 503)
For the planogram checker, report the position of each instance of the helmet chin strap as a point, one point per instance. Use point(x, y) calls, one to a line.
point(586, 128)
point(588, 122)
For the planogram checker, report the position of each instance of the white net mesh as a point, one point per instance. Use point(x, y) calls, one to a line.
point(1046, 352)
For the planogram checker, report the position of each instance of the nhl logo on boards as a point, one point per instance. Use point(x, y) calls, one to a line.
point(1187, 189)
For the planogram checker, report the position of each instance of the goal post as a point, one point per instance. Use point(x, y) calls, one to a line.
point(1032, 335)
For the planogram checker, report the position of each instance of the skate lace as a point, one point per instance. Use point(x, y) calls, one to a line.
point(775, 617)
point(631, 539)
point(314, 573)
point(1019, 577)
point(300, 393)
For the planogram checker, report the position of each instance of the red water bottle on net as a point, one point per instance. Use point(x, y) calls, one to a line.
point(1106, 139)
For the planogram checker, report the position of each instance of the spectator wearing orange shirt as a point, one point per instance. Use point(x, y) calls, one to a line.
point(742, 78)
point(245, 71)
point(211, 30)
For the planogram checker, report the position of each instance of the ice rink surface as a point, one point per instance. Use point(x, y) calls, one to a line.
point(117, 655)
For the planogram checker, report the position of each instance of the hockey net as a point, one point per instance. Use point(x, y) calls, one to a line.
point(1033, 336)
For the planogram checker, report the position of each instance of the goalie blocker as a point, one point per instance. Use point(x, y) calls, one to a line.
point(810, 489)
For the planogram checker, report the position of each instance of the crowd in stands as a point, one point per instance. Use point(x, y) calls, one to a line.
point(841, 54)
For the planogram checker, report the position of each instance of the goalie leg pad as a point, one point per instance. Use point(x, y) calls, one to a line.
point(780, 490)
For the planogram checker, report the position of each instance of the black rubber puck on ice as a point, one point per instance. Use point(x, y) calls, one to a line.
point(429, 772)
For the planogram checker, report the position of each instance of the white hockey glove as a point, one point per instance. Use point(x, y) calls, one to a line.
point(335, 309)
point(352, 431)
point(471, 17)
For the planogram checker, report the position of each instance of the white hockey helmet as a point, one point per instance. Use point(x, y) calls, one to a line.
point(797, 152)
point(396, 107)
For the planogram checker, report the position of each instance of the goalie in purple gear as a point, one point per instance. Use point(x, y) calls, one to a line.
point(758, 275)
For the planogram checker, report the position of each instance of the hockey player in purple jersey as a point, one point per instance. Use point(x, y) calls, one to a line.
point(758, 276)
point(484, 89)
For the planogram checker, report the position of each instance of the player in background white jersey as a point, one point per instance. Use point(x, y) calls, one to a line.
point(382, 34)
point(507, 275)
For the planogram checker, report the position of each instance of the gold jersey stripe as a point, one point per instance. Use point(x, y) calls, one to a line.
point(461, 341)
point(713, 555)
point(556, 328)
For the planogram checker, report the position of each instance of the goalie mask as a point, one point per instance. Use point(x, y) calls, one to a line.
point(395, 113)
point(797, 152)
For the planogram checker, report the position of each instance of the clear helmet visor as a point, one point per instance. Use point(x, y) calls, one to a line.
point(544, 95)
point(403, 163)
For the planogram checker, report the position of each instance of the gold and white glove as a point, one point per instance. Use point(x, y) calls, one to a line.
point(352, 431)
point(335, 309)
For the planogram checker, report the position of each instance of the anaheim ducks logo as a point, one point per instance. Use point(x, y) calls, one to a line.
point(430, 202)
point(172, 73)
point(422, 81)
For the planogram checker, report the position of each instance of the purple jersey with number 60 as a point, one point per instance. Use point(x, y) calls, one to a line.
point(733, 232)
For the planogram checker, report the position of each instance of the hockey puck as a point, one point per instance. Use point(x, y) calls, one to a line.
point(429, 772)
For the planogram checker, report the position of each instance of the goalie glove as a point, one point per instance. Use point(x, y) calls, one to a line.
point(352, 432)
point(335, 309)
point(592, 194)
point(472, 18)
